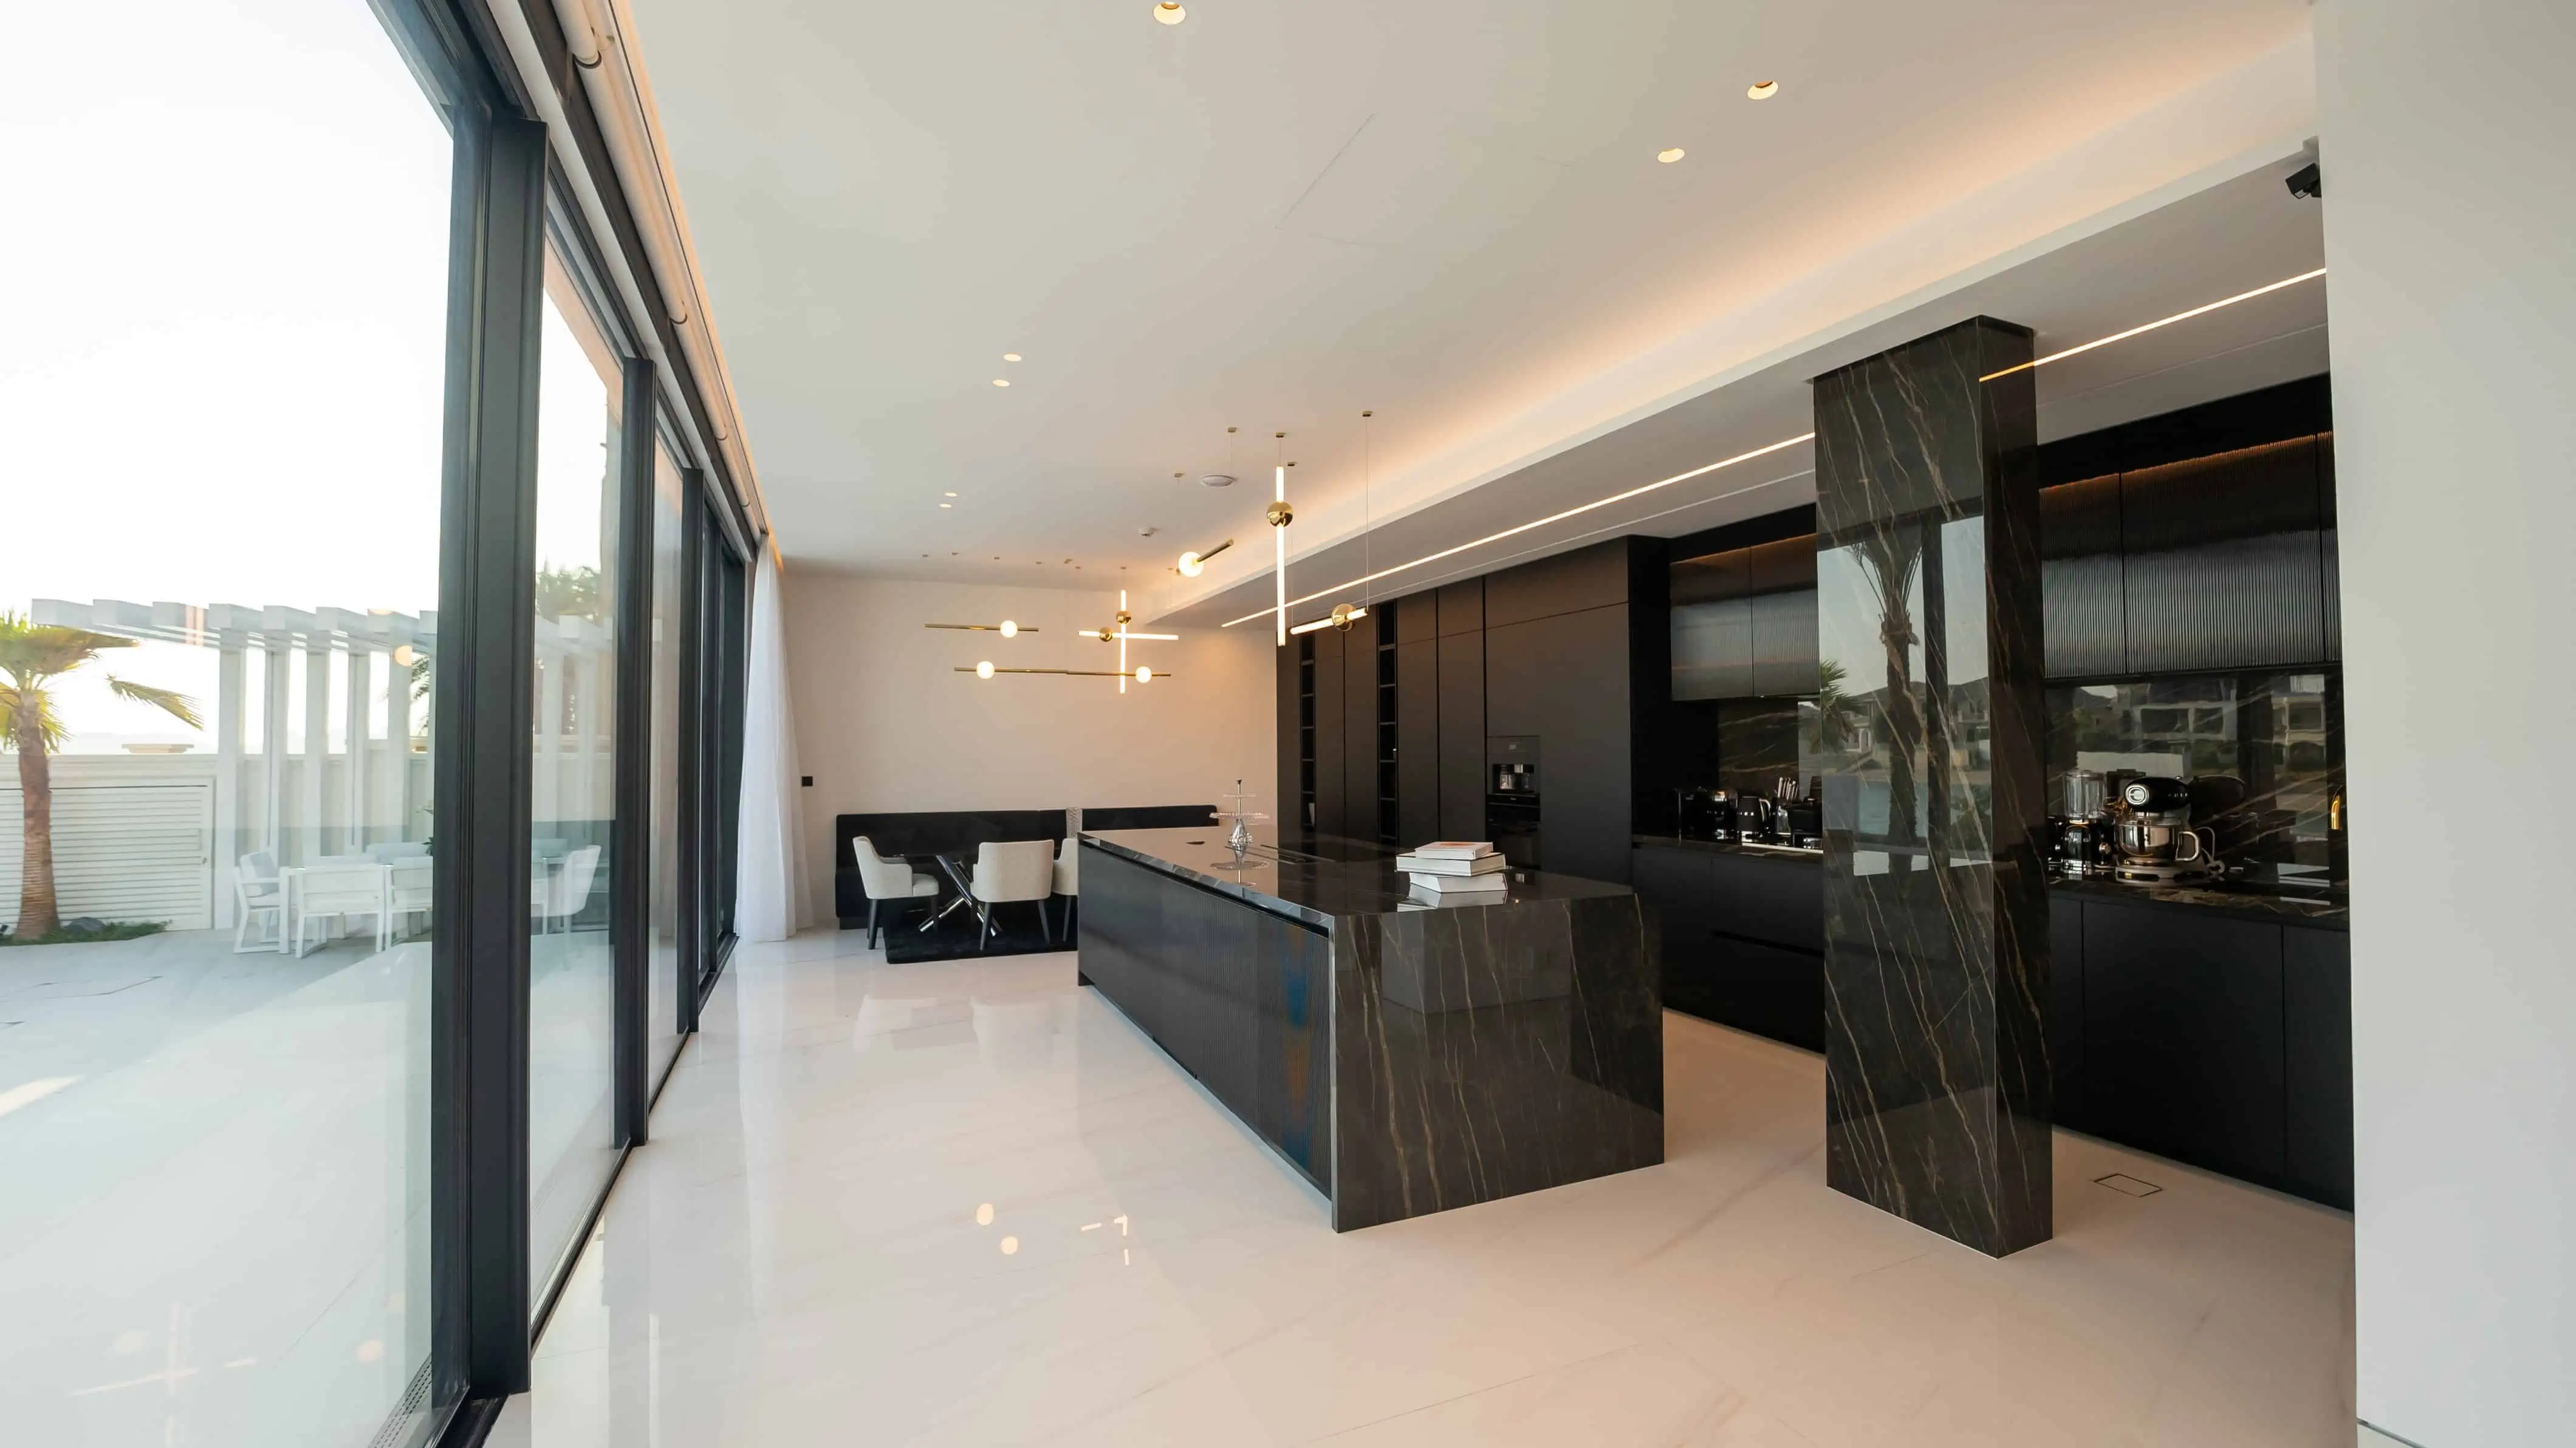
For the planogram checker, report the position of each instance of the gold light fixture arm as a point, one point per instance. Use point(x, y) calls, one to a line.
point(1194, 563)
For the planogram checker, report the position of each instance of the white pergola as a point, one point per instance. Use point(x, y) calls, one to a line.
point(380, 789)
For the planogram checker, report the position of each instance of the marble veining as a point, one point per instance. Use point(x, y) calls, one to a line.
point(1477, 1051)
point(1936, 907)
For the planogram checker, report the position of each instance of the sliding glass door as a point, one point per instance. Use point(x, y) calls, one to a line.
point(713, 717)
point(219, 600)
point(572, 969)
point(370, 651)
point(663, 965)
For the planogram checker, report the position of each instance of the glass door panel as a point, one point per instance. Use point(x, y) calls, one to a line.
point(572, 976)
point(223, 392)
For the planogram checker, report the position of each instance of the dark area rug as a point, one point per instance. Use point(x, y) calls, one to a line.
point(1016, 931)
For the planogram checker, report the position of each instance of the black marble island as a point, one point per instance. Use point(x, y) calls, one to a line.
point(1404, 1059)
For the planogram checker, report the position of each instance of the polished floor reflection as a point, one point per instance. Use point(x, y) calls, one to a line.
point(967, 1203)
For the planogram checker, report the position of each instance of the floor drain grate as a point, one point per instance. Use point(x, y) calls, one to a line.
point(2124, 1183)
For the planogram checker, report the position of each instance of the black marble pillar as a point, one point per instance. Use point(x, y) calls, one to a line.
point(1929, 735)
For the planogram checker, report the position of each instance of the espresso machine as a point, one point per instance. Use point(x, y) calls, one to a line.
point(2153, 841)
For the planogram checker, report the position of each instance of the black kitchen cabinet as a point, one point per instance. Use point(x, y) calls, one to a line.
point(2184, 1049)
point(1676, 886)
point(1712, 626)
point(1359, 728)
point(2083, 603)
point(1785, 647)
point(1776, 899)
point(1771, 991)
point(2223, 564)
point(1564, 680)
point(1587, 578)
point(1331, 758)
point(1461, 607)
point(1291, 781)
point(2328, 559)
point(1462, 732)
point(1417, 735)
point(2066, 1008)
point(2316, 998)
point(1714, 908)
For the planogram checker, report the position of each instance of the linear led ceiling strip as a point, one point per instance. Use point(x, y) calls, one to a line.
point(2199, 311)
point(1284, 602)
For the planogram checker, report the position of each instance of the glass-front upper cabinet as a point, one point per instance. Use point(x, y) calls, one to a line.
point(219, 601)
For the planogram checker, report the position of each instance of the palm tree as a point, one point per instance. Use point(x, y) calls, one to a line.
point(30, 656)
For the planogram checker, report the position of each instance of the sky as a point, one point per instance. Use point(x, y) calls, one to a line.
point(225, 371)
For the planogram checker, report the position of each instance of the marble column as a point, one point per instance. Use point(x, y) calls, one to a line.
point(1930, 741)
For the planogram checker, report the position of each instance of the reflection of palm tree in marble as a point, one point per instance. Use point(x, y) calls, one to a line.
point(1893, 556)
point(1838, 714)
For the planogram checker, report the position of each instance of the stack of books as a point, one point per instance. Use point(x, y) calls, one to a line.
point(1462, 870)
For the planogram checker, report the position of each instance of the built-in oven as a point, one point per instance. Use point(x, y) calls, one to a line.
point(1512, 798)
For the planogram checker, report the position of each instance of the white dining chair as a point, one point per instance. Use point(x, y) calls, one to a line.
point(1010, 872)
point(559, 899)
point(884, 880)
point(337, 892)
point(257, 890)
point(1068, 887)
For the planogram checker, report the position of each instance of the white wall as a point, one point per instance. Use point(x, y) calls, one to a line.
point(2446, 128)
point(882, 723)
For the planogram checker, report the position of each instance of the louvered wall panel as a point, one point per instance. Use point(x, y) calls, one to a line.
point(122, 852)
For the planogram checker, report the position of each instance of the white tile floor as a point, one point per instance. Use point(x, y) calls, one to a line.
point(803, 1256)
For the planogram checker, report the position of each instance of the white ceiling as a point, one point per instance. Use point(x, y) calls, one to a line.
point(1447, 211)
point(2215, 243)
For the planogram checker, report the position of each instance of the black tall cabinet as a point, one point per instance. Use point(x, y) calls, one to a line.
point(1417, 719)
point(1570, 650)
point(1460, 665)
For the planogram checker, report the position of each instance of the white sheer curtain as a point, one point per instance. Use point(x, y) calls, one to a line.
point(773, 900)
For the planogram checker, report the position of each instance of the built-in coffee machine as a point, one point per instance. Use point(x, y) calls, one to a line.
point(1512, 798)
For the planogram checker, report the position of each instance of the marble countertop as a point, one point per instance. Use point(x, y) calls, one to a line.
point(1318, 878)
point(2238, 897)
point(1729, 847)
point(2234, 898)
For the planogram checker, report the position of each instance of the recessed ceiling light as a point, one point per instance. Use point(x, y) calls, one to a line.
point(1001, 382)
point(1670, 154)
point(1170, 12)
point(948, 495)
point(1010, 356)
point(1762, 90)
point(948, 505)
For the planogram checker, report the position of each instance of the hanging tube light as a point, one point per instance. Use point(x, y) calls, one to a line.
point(1279, 516)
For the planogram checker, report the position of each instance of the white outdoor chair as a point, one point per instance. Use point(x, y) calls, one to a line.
point(407, 890)
point(558, 900)
point(258, 891)
point(1068, 886)
point(885, 879)
point(337, 892)
point(1010, 873)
